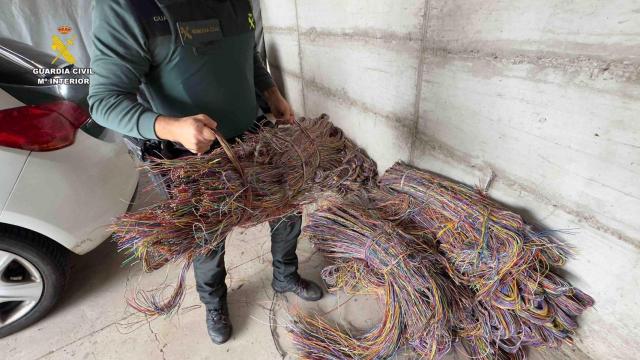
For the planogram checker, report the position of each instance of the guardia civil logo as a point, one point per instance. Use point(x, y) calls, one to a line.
point(61, 73)
point(60, 43)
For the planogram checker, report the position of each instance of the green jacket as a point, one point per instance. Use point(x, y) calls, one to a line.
point(133, 48)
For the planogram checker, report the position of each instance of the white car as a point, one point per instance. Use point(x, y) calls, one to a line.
point(63, 179)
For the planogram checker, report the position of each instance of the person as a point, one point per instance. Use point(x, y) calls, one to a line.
point(196, 63)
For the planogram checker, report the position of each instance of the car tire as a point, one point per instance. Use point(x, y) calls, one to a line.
point(51, 261)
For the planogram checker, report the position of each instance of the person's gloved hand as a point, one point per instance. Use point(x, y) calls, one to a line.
point(279, 106)
point(193, 132)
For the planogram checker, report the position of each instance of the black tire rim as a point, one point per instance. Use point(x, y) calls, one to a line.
point(21, 287)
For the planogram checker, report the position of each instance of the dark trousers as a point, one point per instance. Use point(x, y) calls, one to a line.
point(210, 270)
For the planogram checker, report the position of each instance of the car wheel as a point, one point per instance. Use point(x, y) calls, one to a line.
point(33, 272)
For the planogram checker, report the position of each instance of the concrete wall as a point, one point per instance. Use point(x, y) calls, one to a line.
point(545, 94)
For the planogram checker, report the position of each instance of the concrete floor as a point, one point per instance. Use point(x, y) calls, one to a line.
point(92, 320)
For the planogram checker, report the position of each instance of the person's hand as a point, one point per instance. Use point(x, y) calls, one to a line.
point(279, 106)
point(193, 132)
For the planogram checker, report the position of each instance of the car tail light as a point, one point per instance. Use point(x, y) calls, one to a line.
point(43, 127)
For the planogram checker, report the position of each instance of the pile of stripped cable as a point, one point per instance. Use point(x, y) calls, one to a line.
point(507, 263)
point(263, 177)
point(371, 255)
point(452, 267)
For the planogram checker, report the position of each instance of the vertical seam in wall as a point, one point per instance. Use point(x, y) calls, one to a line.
point(419, 76)
point(304, 96)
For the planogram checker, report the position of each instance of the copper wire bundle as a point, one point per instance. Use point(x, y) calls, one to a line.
point(372, 255)
point(496, 254)
point(451, 266)
point(263, 177)
point(492, 272)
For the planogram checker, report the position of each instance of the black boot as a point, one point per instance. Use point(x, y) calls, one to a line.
point(219, 324)
point(305, 289)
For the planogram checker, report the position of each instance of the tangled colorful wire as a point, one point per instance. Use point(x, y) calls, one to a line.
point(454, 268)
point(263, 177)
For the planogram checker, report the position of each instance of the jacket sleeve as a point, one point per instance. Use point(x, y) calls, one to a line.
point(120, 59)
point(261, 77)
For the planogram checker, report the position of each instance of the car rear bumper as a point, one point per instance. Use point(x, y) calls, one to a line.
point(72, 195)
